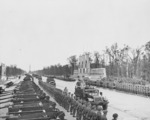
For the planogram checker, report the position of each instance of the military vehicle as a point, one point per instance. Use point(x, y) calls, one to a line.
point(51, 81)
point(91, 94)
point(29, 102)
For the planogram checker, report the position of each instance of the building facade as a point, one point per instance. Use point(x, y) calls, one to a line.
point(85, 70)
point(84, 65)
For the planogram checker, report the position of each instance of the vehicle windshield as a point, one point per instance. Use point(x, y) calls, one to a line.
point(93, 92)
point(97, 99)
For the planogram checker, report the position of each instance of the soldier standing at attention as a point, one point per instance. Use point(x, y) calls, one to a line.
point(65, 91)
point(84, 111)
point(88, 112)
point(71, 103)
point(68, 98)
point(78, 109)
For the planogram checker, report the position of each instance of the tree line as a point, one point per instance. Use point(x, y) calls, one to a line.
point(124, 62)
point(13, 71)
point(55, 70)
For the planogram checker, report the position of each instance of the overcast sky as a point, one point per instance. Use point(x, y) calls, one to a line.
point(46, 32)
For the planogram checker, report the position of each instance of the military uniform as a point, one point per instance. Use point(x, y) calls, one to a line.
point(68, 102)
point(75, 105)
point(88, 111)
point(78, 110)
point(72, 101)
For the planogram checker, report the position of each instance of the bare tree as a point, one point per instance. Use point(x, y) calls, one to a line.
point(134, 57)
point(73, 61)
point(147, 49)
point(117, 58)
point(112, 52)
point(146, 60)
point(121, 59)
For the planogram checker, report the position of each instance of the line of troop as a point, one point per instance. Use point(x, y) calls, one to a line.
point(125, 87)
point(79, 108)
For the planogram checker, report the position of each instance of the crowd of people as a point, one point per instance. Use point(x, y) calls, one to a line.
point(79, 108)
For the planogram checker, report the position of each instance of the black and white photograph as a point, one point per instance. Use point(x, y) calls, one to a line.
point(74, 59)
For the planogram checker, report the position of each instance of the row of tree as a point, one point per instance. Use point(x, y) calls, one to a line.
point(123, 62)
point(55, 70)
point(13, 71)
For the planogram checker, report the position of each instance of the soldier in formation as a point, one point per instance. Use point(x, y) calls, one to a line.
point(79, 108)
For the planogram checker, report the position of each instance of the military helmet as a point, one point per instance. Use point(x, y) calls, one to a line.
point(115, 115)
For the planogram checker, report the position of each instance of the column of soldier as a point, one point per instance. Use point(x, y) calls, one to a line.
point(81, 109)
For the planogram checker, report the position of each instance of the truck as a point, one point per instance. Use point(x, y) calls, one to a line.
point(51, 81)
point(91, 94)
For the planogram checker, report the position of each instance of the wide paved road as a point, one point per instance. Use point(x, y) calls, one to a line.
point(128, 106)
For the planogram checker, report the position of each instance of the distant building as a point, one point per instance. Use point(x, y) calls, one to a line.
point(85, 69)
point(84, 65)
